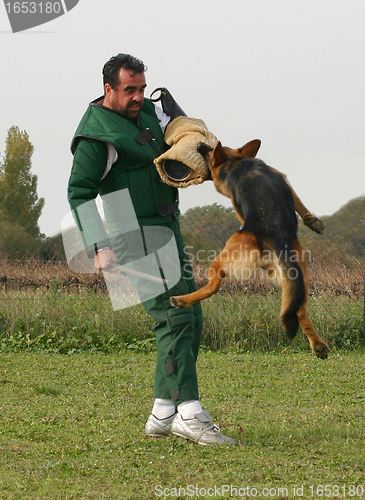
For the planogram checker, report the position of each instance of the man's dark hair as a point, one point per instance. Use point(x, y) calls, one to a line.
point(112, 67)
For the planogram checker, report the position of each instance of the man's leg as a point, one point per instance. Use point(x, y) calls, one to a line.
point(178, 338)
point(177, 335)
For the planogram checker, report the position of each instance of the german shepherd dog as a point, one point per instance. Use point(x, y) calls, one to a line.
point(268, 238)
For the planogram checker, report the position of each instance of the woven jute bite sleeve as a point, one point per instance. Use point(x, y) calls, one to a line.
point(183, 134)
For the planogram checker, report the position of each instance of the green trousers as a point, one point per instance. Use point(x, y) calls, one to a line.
point(178, 331)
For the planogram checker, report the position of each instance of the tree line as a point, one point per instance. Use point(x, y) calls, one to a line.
point(20, 205)
point(205, 229)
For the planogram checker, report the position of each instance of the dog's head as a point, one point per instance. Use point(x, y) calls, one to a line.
point(220, 154)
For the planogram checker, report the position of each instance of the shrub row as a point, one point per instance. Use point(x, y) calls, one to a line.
point(59, 322)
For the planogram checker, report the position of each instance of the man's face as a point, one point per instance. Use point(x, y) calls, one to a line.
point(128, 97)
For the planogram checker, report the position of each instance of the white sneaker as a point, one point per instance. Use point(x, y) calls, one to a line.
point(158, 428)
point(200, 429)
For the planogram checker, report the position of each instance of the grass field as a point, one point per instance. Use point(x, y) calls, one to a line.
point(60, 322)
point(71, 427)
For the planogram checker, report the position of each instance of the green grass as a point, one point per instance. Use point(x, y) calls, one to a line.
point(71, 426)
point(62, 323)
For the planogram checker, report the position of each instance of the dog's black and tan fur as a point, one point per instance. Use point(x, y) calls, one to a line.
point(268, 240)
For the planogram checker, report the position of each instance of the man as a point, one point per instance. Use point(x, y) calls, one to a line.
point(114, 147)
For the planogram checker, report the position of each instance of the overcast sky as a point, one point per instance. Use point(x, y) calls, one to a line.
point(289, 72)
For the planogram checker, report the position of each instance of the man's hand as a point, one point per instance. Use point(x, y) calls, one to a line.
point(103, 258)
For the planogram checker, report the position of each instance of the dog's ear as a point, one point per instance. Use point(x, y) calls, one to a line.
point(250, 149)
point(203, 149)
point(219, 155)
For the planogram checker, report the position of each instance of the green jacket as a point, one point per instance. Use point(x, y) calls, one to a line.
point(137, 143)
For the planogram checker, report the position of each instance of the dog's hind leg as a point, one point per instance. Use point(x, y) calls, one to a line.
point(318, 345)
point(216, 273)
point(236, 261)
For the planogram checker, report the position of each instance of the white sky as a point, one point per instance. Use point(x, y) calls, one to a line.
point(289, 72)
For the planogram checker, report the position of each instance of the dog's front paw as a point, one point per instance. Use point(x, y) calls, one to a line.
point(314, 223)
point(176, 302)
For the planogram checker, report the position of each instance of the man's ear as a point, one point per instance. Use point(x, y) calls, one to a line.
point(250, 149)
point(219, 155)
point(107, 89)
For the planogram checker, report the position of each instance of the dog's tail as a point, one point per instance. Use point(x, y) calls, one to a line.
point(293, 290)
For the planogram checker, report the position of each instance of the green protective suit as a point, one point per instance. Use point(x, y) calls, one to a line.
point(137, 143)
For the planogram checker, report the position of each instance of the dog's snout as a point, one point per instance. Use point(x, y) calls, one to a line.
point(203, 149)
